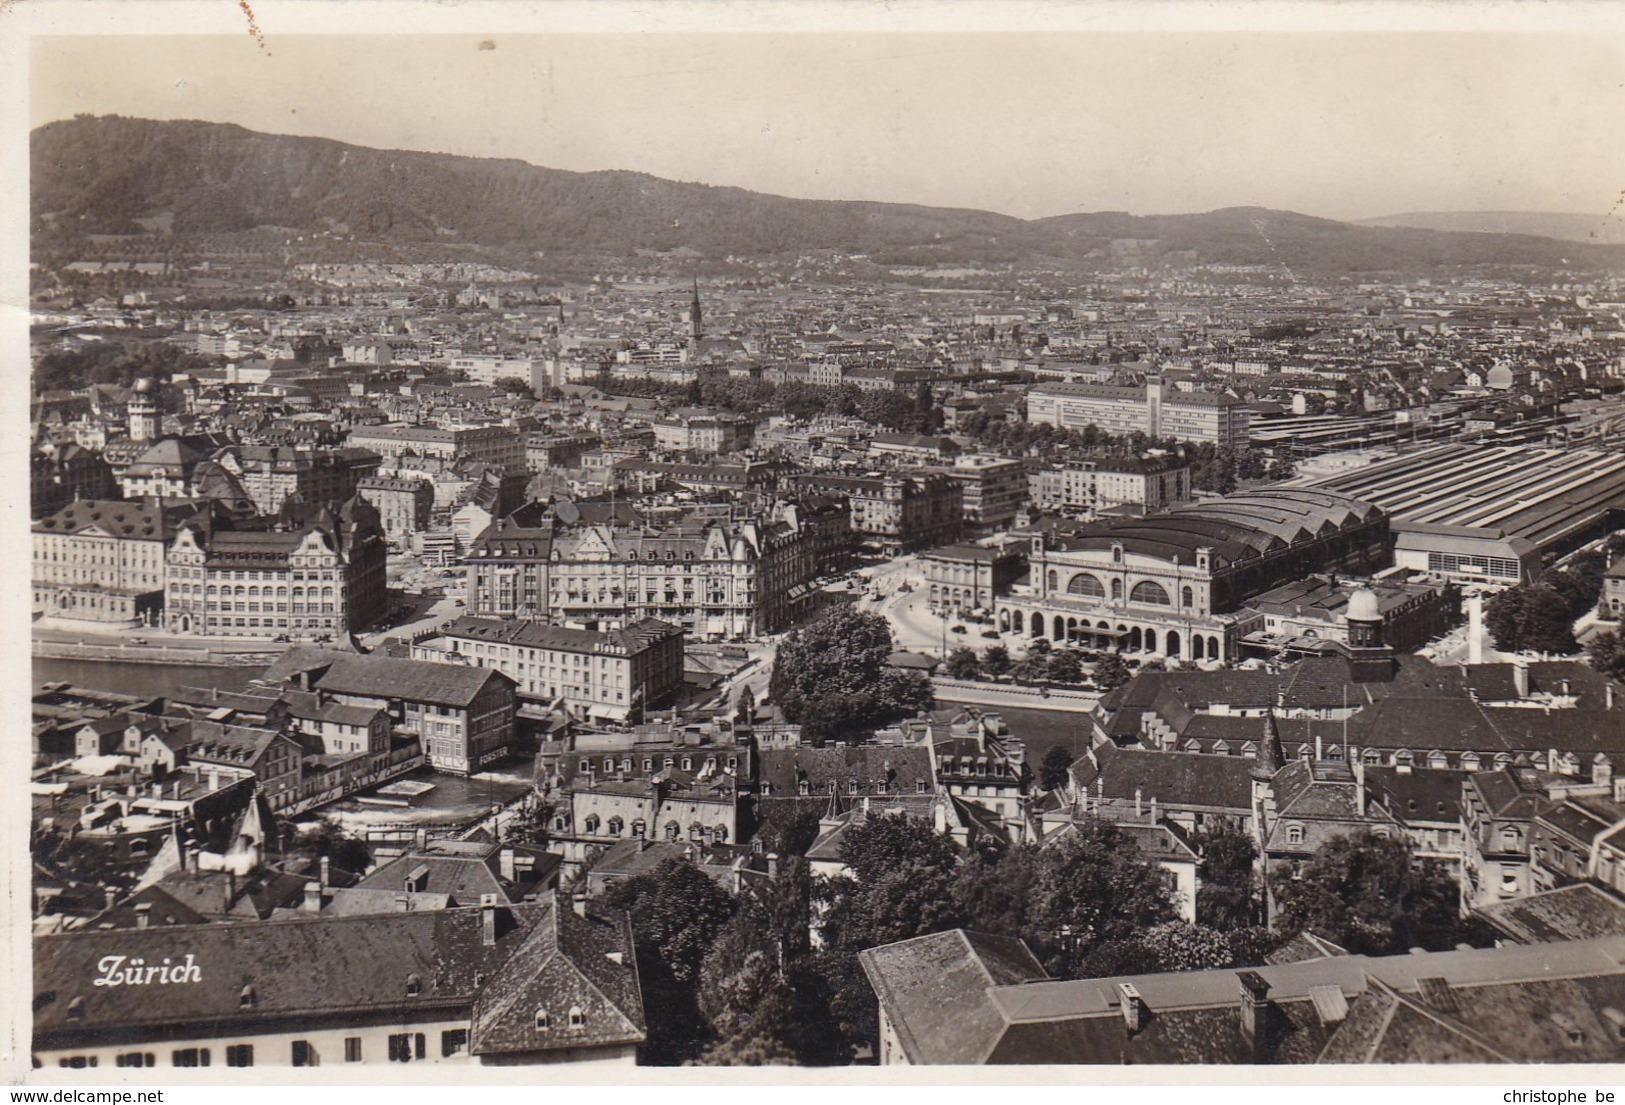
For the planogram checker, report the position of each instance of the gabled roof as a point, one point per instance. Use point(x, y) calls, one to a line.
point(1577, 912)
point(573, 966)
point(385, 677)
point(294, 968)
point(937, 990)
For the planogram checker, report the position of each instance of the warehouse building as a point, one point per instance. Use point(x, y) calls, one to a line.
point(1490, 514)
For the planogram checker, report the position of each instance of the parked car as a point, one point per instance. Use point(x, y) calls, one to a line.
point(956, 629)
point(991, 634)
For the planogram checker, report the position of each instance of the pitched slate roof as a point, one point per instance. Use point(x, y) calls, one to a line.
point(1466, 1005)
point(385, 677)
point(573, 964)
point(1576, 912)
point(296, 968)
point(938, 990)
point(870, 765)
point(1172, 778)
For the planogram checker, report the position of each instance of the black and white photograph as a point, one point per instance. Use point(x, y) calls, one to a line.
point(815, 538)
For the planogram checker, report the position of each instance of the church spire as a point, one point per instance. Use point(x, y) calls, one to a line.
point(695, 318)
point(1270, 757)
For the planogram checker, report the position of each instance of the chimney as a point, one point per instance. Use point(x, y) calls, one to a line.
point(1520, 677)
point(313, 897)
point(1153, 810)
point(1608, 696)
point(579, 904)
point(505, 864)
point(488, 919)
point(1359, 783)
point(327, 871)
point(109, 897)
point(214, 779)
point(1602, 771)
point(1136, 801)
point(772, 865)
point(1255, 1011)
point(420, 840)
point(143, 914)
point(1133, 1008)
point(1320, 750)
point(1475, 629)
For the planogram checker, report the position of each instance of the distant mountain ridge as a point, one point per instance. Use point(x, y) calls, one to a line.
point(1607, 229)
point(114, 175)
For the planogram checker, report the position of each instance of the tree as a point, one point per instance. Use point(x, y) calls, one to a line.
point(1065, 666)
point(902, 883)
point(1055, 768)
point(513, 385)
point(753, 988)
point(1170, 946)
point(995, 661)
point(833, 678)
point(1111, 672)
point(1607, 653)
point(1227, 895)
point(1369, 894)
point(1531, 616)
point(1093, 888)
point(326, 838)
point(1580, 583)
point(962, 663)
point(676, 914)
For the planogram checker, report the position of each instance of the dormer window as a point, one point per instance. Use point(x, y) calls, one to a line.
point(1294, 834)
point(245, 997)
point(577, 1017)
point(414, 986)
point(542, 1021)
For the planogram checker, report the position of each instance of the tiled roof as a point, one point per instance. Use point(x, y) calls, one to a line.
point(385, 677)
point(937, 990)
point(580, 971)
point(133, 521)
point(1522, 1003)
point(902, 765)
point(1576, 912)
point(1173, 778)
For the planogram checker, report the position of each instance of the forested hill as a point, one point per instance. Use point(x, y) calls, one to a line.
point(114, 175)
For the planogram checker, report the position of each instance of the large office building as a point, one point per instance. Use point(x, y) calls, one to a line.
point(103, 560)
point(611, 675)
point(716, 577)
point(269, 474)
point(1490, 514)
point(993, 489)
point(320, 577)
point(1104, 485)
point(462, 716)
point(896, 512)
point(495, 445)
point(1170, 584)
point(1152, 409)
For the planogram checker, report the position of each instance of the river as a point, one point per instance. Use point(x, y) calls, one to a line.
point(143, 679)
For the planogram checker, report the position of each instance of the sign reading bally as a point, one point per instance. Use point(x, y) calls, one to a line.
point(121, 970)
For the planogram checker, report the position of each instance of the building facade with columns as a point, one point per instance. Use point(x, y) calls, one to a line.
point(1169, 585)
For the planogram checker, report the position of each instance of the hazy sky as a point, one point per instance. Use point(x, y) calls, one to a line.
point(1340, 125)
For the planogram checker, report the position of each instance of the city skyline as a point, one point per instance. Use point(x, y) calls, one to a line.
point(1033, 126)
